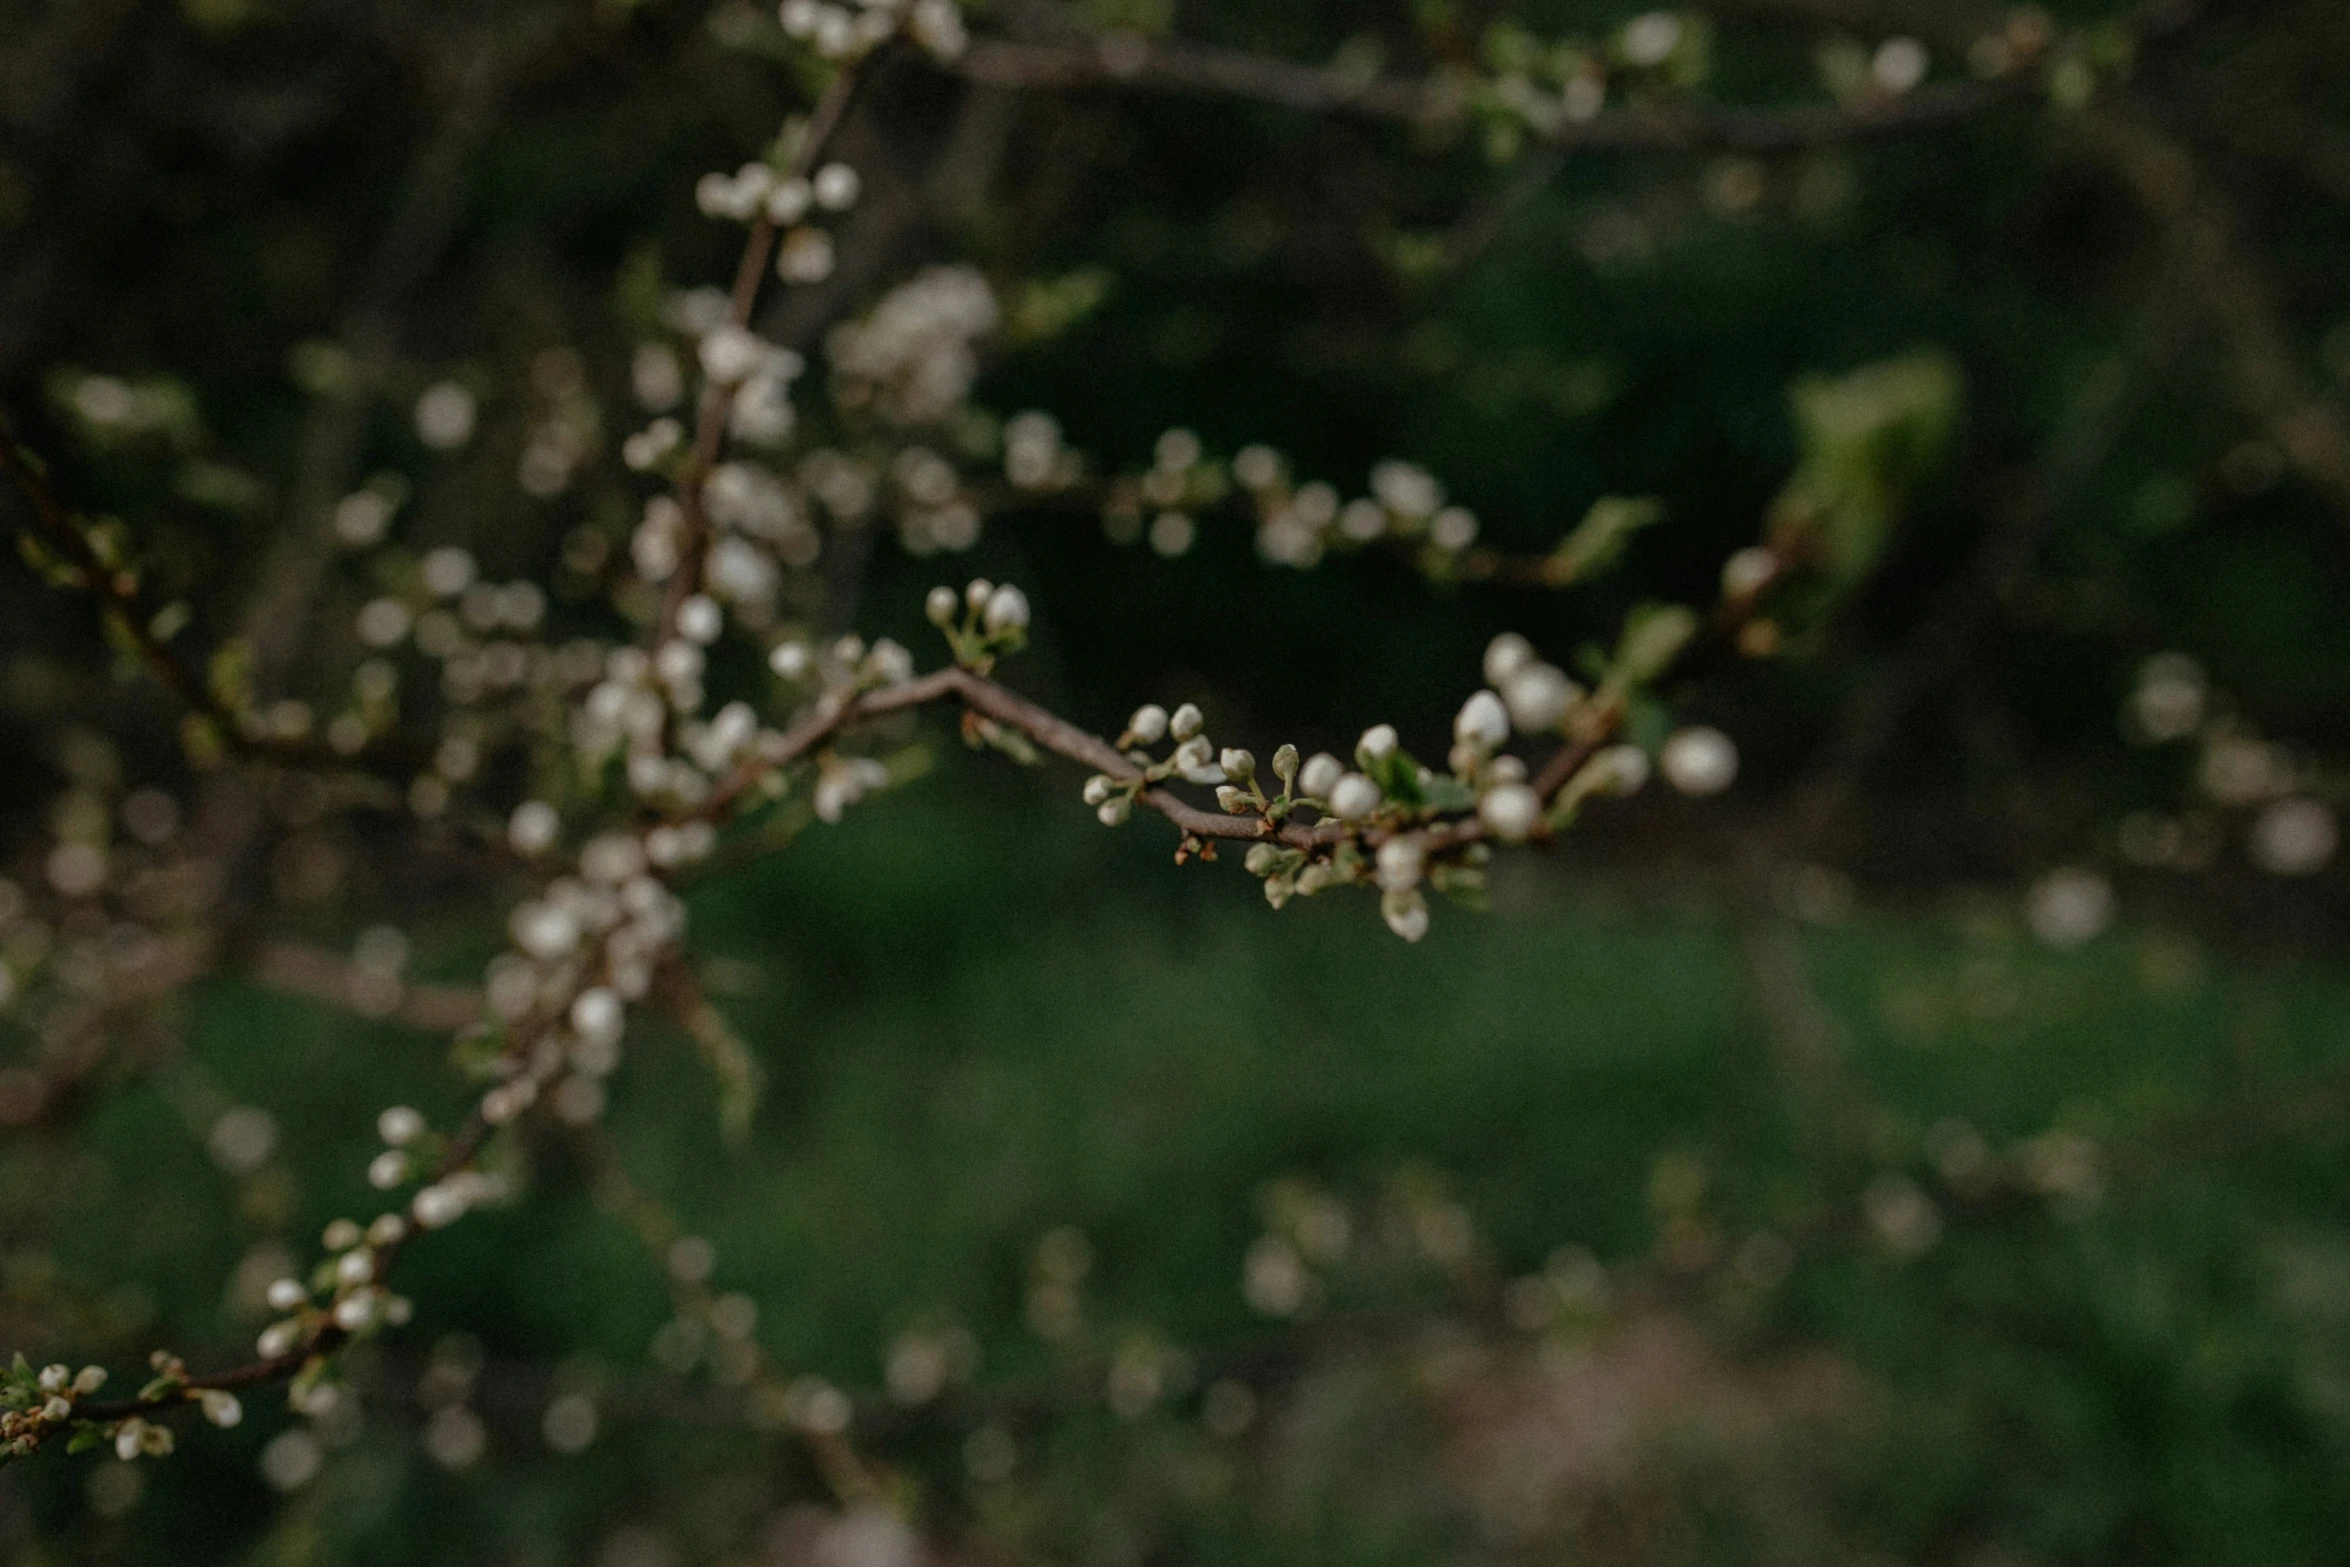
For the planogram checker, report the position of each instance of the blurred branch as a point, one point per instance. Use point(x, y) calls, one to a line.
point(54, 531)
point(2275, 388)
point(320, 975)
point(1129, 61)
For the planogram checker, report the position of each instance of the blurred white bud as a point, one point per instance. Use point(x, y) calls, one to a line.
point(1400, 863)
point(444, 416)
point(1699, 761)
point(438, 1206)
point(941, 606)
point(1378, 743)
point(1505, 655)
point(2070, 907)
point(699, 619)
point(836, 187)
point(597, 1016)
point(1748, 571)
point(730, 354)
point(399, 1126)
point(1538, 696)
point(533, 827)
point(1623, 769)
point(1406, 913)
point(1187, 722)
point(2294, 837)
point(1510, 811)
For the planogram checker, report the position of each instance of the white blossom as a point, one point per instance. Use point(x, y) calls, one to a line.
point(1354, 797)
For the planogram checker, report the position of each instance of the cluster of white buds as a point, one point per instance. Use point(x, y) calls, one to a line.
point(912, 358)
point(345, 1291)
point(849, 32)
point(2287, 807)
point(933, 513)
point(35, 1403)
point(1035, 458)
point(1539, 696)
point(1297, 525)
point(982, 623)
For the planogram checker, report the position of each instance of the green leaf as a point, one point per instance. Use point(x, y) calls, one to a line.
point(1869, 440)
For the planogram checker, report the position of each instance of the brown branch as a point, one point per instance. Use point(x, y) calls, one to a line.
point(2271, 382)
point(717, 400)
point(320, 975)
point(117, 594)
point(1208, 69)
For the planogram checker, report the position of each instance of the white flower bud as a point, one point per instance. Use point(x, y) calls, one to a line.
point(1187, 722)
point(1098, 788)
point(221, 1407)
point(399, 1126)
point(1007, 610)
point(1624, 769)
point(1378, 743)
point(387, 1169)
point(788, 202)
point(1232, 800)
point(355, 1267)
point(597, 1016)
point(1320, 774)
point(699, 619)
point(1237, 763)
point(941, 606)
point(1699, 761)
point(277, 1339)
point(1538, 696)
point(1196, 755)
point(791, 660)
point(1148, 726)
point(286, 1294)
point(1482, 722)
point(836, 187)
point(1748, 571)
point(1406, 913)
point(1114, 811)
point(56, 1409)
point(54, 1379)
point(126, 1440)
point(355, 1312)
point(1354, 797)
point(1510, 811)
point(1505, 655)
point(729, 355)
point(534, 827)
point(437, 1207)
point(1400, 862)
point(89, 1380)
